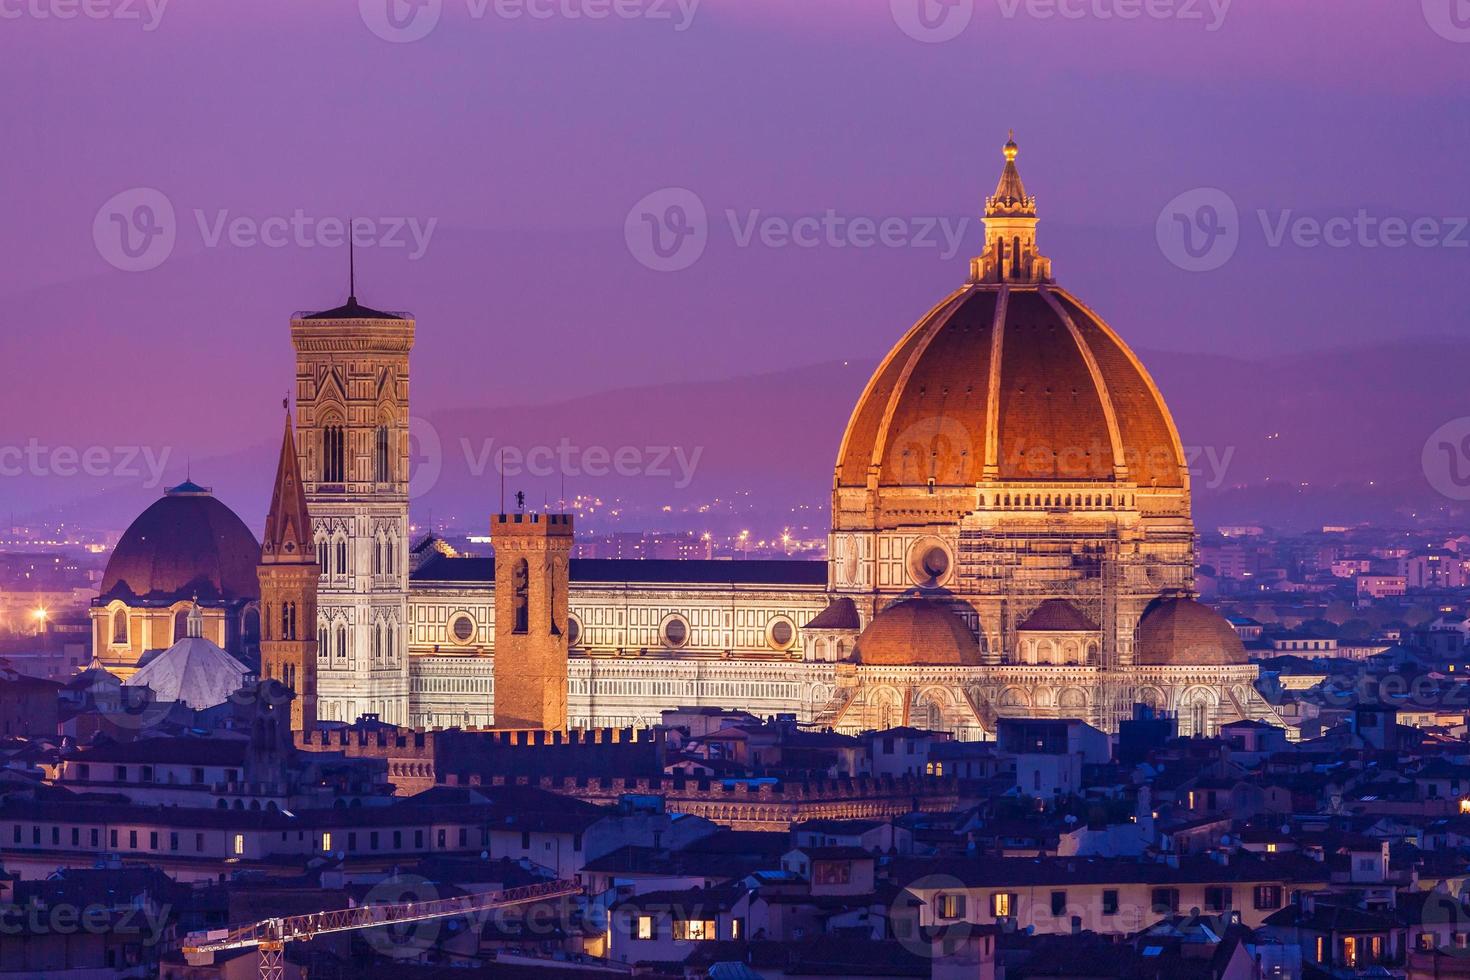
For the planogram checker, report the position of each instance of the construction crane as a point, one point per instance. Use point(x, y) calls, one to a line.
point(270, 936)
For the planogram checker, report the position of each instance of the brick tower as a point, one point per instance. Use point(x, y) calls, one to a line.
point(532, 552)
point(288, 575)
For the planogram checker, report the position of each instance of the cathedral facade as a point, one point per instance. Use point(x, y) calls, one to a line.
point(1011, 536)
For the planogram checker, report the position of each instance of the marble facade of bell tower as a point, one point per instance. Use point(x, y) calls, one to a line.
point(352, 436)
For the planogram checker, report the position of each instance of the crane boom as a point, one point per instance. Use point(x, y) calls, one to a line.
point(271, 935)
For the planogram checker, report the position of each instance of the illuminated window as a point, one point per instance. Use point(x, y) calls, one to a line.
point(645, 927)
point(239, 844)
point(695, 930)
point(326, 841)
point(1350, 951)
point(1001, 905)
point(734, 928)
point(1270, 848)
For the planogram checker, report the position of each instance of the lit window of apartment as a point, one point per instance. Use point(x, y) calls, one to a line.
point(695, 930)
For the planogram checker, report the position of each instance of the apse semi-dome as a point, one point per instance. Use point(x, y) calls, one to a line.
point(918, 632)
point(186, 545)
point(1179, 632)
point(1010, 379)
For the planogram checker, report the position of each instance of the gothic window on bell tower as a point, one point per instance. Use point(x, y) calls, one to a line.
point(381, 469)
point(334, 454)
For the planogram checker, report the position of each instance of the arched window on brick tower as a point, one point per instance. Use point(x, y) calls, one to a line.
point(120, 626)
point(522, 585)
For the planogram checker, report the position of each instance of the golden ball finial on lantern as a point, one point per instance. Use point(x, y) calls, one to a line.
point(1011, 148)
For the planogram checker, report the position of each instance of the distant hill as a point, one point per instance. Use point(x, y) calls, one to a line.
point(1330, 436)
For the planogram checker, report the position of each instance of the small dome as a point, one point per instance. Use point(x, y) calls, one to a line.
point(1060, 616)
point(187, 544)
point(194, 671)
point(1184, 633)
point(841, 614)
point(917, 632)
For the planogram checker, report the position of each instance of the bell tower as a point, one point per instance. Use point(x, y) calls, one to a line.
point(353, 443)
point(532, 560)
point(288, 575)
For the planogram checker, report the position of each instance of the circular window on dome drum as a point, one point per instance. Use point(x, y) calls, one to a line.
point(781, 633)
point(930, 563)
point(462, 628)
point(675, 631)
point(574, 631)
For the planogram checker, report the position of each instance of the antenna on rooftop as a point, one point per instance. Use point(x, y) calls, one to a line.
point(351, 263)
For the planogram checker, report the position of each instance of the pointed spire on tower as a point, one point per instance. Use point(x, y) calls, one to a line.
point(288, 525)
point(1010, 252)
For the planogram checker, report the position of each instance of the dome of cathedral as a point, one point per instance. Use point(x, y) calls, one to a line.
point(1184, 633)
point(185, 545)
point(1010, 379)
point(917, 632)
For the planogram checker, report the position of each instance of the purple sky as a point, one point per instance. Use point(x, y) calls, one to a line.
point(526, 142)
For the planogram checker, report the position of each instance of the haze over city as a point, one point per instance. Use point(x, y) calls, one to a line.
point(735, 490)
